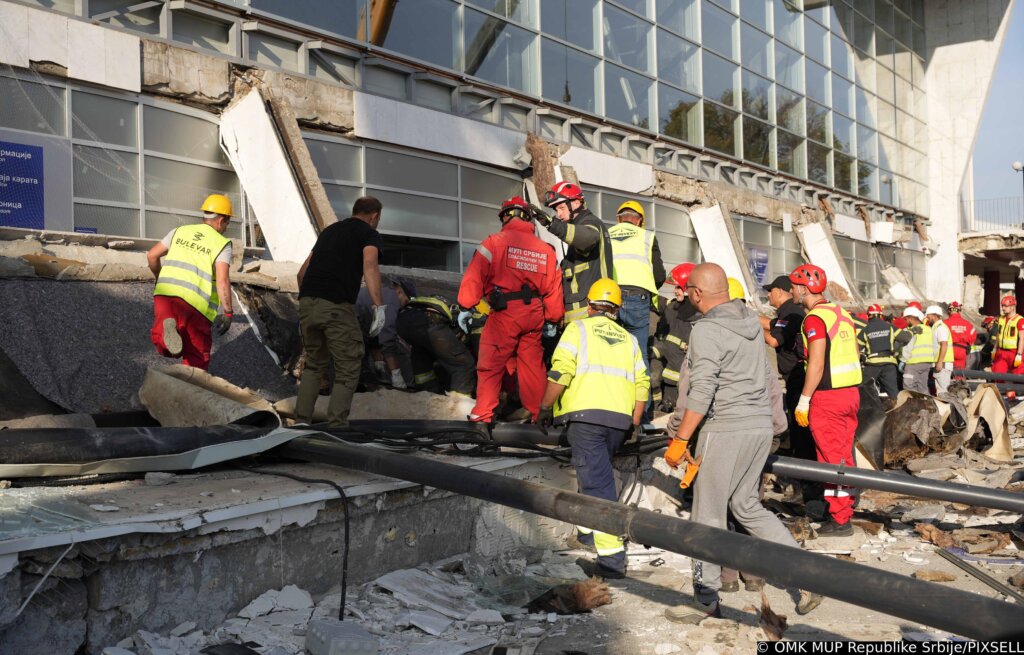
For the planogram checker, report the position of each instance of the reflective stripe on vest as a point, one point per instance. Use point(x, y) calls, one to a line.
point(429, 302)
point(187, 271)
point(671, 338)
point(1008, 333)
point(842, 360)
point(948, 359)
point(923, 350)
point(632, 252)
point(878, 341)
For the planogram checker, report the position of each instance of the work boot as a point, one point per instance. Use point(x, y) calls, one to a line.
point(833, 529)
point(808, 601)
point(574, 543)
point(693, 612)
point(730, 587)
point(172, 340)
point(756, 584)
point(593, 569)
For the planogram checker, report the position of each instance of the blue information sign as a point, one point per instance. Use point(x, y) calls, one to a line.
point(21, 186)
point(757, 259)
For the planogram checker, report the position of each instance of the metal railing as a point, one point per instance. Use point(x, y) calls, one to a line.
point(992, 214)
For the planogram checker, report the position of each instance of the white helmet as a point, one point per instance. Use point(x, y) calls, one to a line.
point(913, 311)
point(934, 310)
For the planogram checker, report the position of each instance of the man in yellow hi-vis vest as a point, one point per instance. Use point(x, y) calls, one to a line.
point(919, 353)
point(598, 384)
point(193, 286)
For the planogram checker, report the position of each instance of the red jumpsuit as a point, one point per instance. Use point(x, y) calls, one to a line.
point(1007, 332)
point(508, 260)
point(964, 334)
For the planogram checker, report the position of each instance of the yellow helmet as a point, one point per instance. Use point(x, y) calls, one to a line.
point(634, 206)
point(736, 290)
point(218, 204)
point(605, 290)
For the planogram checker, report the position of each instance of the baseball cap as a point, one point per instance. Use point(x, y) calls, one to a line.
point(781, 282)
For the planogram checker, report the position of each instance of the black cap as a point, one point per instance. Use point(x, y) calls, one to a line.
point(781, 282)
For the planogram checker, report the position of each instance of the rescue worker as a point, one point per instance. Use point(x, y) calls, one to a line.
point(942, 338)
point(518, 275)
point(638, 270)
point(1009, 347)
point(919, 353)
point(193, 285)
point(728, 402)
point(598, 385)
point(426, 324)
point(671, 340)
point(989, 326)
point(877, 340)
point(830, 398)
point(965, 335)
point(588, 256)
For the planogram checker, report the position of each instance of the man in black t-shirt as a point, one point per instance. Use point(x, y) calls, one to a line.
point(329, 281)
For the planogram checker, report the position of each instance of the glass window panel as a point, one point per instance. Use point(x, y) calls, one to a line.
point(720, 80)
point(788, 21)
point(517, 10)
point(904, 95)
point(817, 83)
point(841, 21)
point(842, 96)
point(570, 20)
point(903, 30)
point(412, 252)
point(184, 186)
point(886, 187)
point(883, 14)
point(336, 17)
point(886, 118)
point(115, 221)
point(842, 57)
point(499, 52)
point(883, 49)
point(179, 134)
point(757, 142)
point(627, 96)
point(866, 108)
point(679, 115)
point(866, 76)
point(272, 51)
point(816, 41)
point(392, 169)
point(817, 122)
point(146, 20)
point(817, 163)
point(158, 224)
point(341, 197)
point(917, 9)
point(672, 220)
point(627, 39)
point(487, 187)
point(756, 95)
point(409, 214)
point(888, 157)
point(425, 30)
point(819, 11)
point(863, 34)
point(677, 249)
point(789, 67)
point(336, 161)
point(867, 144)
point(917, 70)
point(479, 222)
point(755, 12)
point(789, 110)
point(202, 32)
point(680, 16)
point(569, 76)
point(720, 128)
point(920, 47)
point(718, 30)
point(678, 61)
point(844, 172)
point(756, 47)
point(107, 120)
point(331, 67)
point(66, 6)
point(31, 107)
point(842, 133)
point(728, 5)
point(757, 233)
point(102, 174)
point(791, 154)
point(886, 88)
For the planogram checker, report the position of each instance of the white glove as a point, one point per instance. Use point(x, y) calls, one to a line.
point(377, 324)
point(550, 330)
point(803, 410)
point(464, 317)
point(397, 381)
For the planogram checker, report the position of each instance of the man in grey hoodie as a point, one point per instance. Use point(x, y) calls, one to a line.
point(728, 394)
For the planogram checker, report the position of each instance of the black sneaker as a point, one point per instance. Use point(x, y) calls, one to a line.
point(693, 612)
point(593, 569)
point(833, 529)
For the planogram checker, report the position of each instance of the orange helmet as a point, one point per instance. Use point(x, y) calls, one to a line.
point(810, 276)
point(681, 273)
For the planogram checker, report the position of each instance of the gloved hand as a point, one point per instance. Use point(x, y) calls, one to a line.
point(550, 330)
point(803, 409)
point(545, 418)
point(377, 323)
point(540, 215)
point(676, 452)
point(397, 381)
point(1017, 361)
point(464, 317)
point(222, 323)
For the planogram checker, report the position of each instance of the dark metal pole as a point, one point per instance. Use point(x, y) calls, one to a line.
point(986, 375)
point(922, 602)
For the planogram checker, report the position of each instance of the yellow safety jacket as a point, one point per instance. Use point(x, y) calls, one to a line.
point(188, 270)
point(1007, 335)
point(632, 256)
point(948, 359)
point(603, 372)
point(922, 349)
point(842, 360)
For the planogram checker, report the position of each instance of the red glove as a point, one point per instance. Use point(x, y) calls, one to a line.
point(676, 452)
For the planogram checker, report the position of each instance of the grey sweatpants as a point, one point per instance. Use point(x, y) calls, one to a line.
point(915, 377)
point(943, 378)
point(729, 477)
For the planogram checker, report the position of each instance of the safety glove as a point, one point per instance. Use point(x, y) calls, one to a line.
point(676, 451)
point(222, 323)
point(803, 410)
point(397, 381)
point(545, 418)
point(540, 215)
point(464, 318)
point(379, 315)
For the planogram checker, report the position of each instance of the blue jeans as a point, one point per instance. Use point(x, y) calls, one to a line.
point(635, 316)
point(592, 450)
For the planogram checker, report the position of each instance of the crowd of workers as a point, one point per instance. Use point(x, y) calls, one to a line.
point(572, 336)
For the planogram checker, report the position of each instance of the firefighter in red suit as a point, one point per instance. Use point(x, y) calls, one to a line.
point(964, 335)
point(1008, 356)
point(518, 275)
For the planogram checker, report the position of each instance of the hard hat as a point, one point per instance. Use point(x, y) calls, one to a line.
point(913, 311)
point(874, 309)
point(217, 204)
point(915, 304)
point(681, 273)
point(562, 192)
point(633, 206)
point(989, 320)
point(517, 207)
point(955, 307)
point(810, 276)
point(1008, 300)
point(736, 291)
point(605, 290)
point(934, 310)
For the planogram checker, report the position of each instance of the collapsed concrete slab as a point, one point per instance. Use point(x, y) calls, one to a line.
point(185, 396)
point(820, 248)
point(720, 244)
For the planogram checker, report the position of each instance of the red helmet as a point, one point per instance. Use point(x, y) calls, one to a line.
point(915, 305)
point(955, 307)
point(874, 309)
point(810, 276)
point(517, 207)
point(1007, 300)
point(681, 273)
point(562, 192)
point(988, 320)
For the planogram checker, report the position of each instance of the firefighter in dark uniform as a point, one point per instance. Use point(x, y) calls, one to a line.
point(671, 339)
point(426, 323)
point(877, 341)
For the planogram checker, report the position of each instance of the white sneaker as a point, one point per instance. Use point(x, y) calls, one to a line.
point(172, 340)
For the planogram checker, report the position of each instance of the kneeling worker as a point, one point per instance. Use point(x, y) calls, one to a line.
point(598, 385)
point(426, 323)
